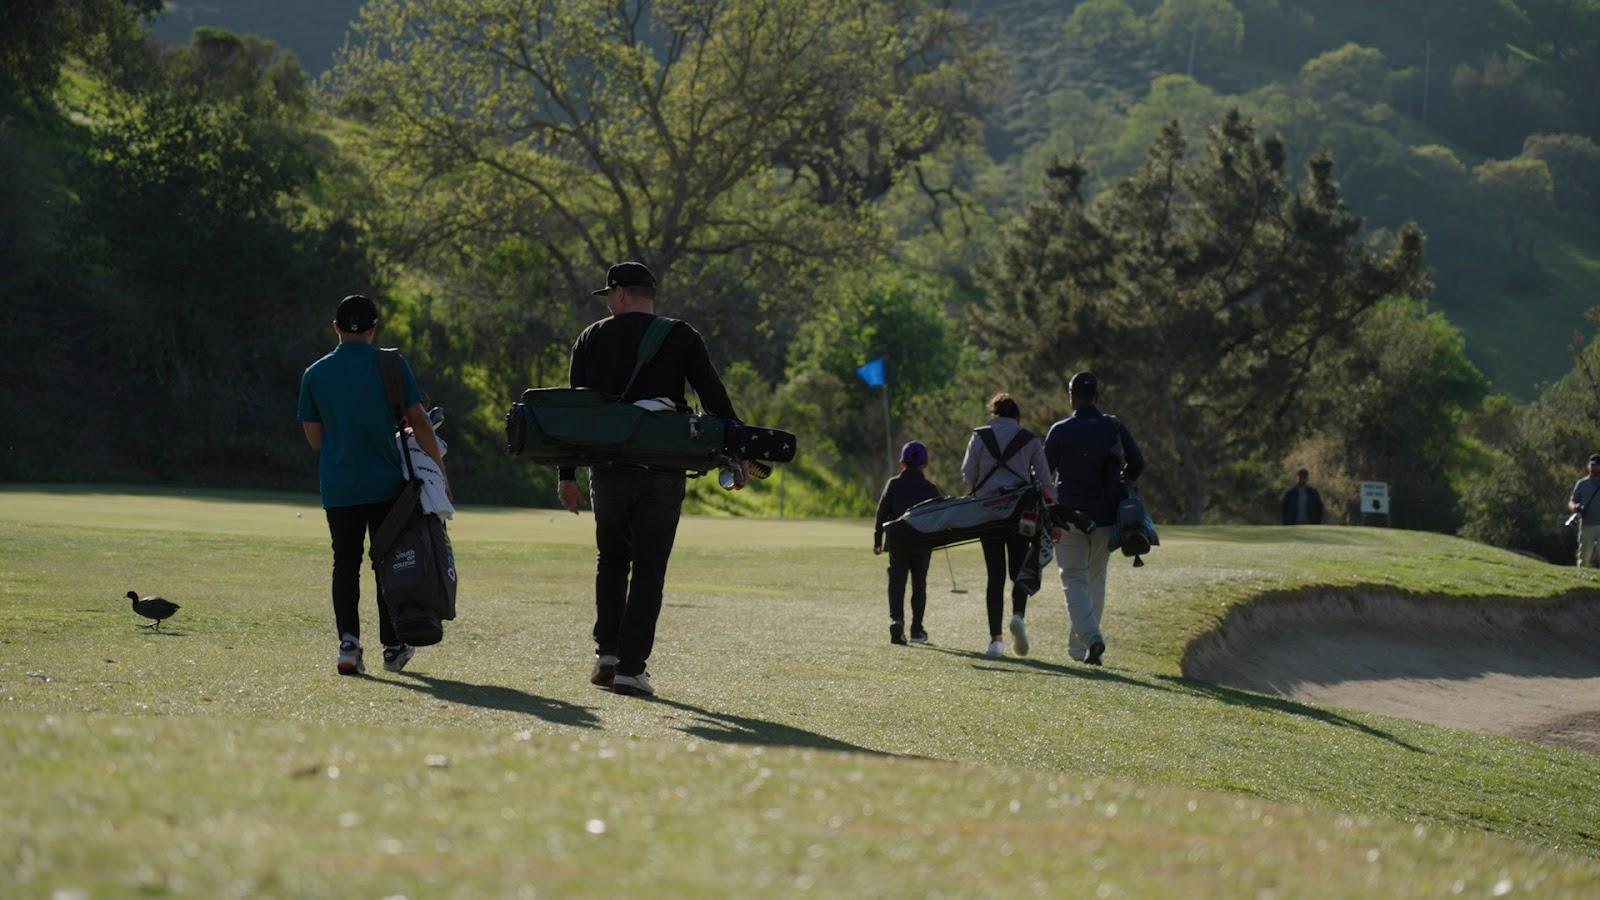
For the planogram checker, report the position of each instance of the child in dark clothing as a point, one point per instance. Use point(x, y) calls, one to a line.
point(901, 493)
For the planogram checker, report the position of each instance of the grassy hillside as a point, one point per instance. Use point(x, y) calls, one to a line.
point(227, 757)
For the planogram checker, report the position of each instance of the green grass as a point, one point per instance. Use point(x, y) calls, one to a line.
point(200, 761)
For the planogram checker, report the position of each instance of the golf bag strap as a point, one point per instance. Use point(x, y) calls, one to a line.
point(389, 367)
point(649, 346)
point(398, 515)
point(992, 443)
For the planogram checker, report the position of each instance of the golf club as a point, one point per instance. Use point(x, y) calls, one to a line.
point(951, 566)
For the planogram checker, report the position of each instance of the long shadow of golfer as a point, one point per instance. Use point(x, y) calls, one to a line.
point(494, 696)
point(1022, 665)
point(1234, 697)
point(731, 729)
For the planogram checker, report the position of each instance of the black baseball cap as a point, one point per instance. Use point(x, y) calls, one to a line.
point(1084, 383)
point(1594, 457)
point(627, 275)
point(356, 314)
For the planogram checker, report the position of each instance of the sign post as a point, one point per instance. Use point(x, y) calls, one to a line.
point(1374, 500)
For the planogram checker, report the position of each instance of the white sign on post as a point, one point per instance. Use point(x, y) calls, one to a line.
point(1375, 497)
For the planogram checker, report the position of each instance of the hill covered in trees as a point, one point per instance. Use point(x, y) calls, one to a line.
point(1212, 203)
point(1435, 111)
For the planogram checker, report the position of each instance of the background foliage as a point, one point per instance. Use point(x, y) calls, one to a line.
point(820, 183)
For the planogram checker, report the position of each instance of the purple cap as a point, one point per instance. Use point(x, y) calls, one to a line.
point(914, 453)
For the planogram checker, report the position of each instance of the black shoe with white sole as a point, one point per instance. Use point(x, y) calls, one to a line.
point(897, 633)
point(633, 685)
point(1096, 650)
point(919, 635)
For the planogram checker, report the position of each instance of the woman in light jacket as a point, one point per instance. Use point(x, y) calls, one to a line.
point(984, 476)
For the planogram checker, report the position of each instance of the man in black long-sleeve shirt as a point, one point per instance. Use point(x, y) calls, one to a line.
point(636, 511)
point(1093, 456)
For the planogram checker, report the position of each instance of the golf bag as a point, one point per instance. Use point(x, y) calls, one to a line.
point(1134, 532)
point(584, 427)
point(411, 553)
point(416, 569)
point(946, 521)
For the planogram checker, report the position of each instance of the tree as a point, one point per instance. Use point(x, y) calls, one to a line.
point(39, 34)
point(1097, 23)
point(732, 147)
point(1574, 163)
point(1352, 73)
point(1521, 189)
point(1521, 502)
point(1197, 32)
point(1395, 402)
point(1203, 292)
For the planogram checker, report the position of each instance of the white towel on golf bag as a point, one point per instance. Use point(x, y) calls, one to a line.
point(433, 498)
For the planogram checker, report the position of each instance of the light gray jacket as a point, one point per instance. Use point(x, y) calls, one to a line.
point(1023, 466)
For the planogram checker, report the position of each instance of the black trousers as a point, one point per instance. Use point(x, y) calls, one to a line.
point(349, 527)
point(915, 564)
point(635, 522)
point(1003, 558)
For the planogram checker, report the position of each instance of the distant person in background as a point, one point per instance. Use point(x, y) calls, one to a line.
point(347, 418)
point(1582, 503)
point(900, 493)
point(1094, 458)
point(1010, 456)
point(1302, 505)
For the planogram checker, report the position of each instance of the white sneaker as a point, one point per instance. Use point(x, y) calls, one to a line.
point(350, 657)
point(395, 658)
point(1019, 635)
point(633, 685)
point(995, 651)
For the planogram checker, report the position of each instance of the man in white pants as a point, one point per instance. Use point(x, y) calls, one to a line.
point(1582, 503)
point(1093, 456)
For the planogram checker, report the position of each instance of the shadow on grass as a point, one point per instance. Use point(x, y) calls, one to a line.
point(494, 696)
point(1023, 665)
point(728, 728)
point(1234, 697)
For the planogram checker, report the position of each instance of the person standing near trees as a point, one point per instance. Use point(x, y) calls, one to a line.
point(900, 493)
point(347, 417)
point(636, 511)
point(999, 456)
point(1302, 505)
point(1582, 503)
point(1094, 457)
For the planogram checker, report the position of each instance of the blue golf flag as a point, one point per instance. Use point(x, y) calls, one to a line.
point(872, 373)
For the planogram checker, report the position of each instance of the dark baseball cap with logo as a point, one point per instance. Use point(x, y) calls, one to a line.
point(356, 314)
point(627, 275)
point(1084, 383)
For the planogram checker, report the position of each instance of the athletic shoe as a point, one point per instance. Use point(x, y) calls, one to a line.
point(634, 685)
point(605, 671)
point(396, 657)
point(350, 657)
point(1019, 635)
point(897, 633)
point(918, 635)
point(995, 651)
point(1096, 650)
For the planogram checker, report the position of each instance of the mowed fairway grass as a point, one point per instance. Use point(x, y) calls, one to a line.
point(792, 749)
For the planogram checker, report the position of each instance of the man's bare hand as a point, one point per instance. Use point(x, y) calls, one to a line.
point(1055, 535)
point(571, 496)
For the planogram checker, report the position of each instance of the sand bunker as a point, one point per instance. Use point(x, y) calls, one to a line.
point(1511, 667)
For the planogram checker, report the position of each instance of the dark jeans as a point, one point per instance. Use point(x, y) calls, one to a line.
point(915, 564)
point(996, 552)
point(635, 521)
point(350, 526)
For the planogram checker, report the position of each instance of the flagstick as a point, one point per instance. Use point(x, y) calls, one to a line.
point(888, 431)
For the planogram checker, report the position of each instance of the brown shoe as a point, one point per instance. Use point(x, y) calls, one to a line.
point(605, 671)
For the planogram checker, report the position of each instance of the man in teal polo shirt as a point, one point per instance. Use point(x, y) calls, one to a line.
point(345, 412)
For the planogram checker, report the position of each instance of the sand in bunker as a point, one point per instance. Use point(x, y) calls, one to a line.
point(1507, 666)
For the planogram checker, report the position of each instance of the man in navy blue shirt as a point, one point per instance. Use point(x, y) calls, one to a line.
point(347, 418)
point(1093, 456)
